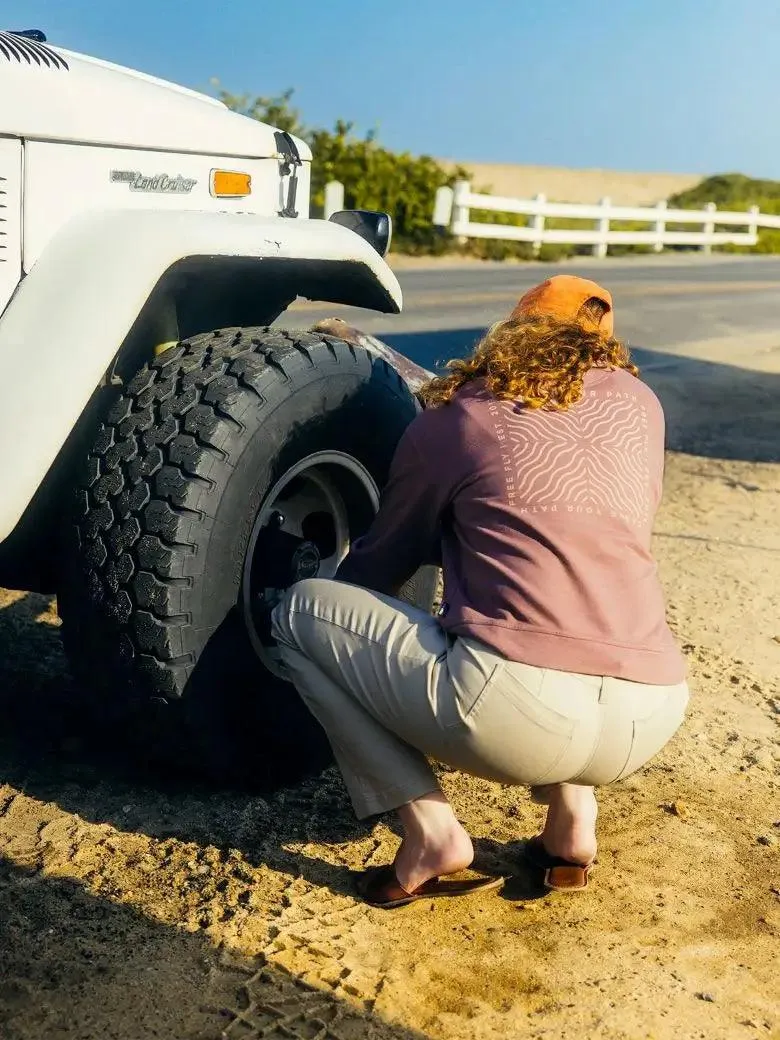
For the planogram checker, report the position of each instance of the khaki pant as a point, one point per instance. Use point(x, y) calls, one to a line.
point(391, 689)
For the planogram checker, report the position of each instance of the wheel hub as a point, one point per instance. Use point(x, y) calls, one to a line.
point(303, 530)
point(305, 561)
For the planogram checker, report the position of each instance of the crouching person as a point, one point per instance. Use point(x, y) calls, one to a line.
point(533, 476)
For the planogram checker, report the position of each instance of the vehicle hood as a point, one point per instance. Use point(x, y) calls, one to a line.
point(53, 94)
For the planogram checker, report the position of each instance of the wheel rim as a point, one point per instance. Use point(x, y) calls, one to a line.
point(303, 529)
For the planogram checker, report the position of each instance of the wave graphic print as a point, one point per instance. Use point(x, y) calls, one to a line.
point(592, 458)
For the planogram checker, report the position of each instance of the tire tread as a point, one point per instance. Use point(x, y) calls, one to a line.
point(149, 489)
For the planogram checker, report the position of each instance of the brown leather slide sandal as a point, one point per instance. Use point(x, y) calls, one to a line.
point(560, 875)
point(380, 887)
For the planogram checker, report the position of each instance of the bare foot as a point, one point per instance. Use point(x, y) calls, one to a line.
point(434, 843)
point(570, 828)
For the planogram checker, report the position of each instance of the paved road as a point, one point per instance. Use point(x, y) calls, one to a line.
point(662, 304)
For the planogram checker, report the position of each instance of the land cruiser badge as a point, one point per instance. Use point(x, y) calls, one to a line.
point(160, 183)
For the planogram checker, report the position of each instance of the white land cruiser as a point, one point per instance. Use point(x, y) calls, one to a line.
point(169, 463)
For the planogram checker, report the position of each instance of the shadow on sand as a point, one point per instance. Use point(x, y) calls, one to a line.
point(83, 968)
point(51, 749)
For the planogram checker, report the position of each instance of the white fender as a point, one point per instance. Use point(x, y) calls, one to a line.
point(71, 313)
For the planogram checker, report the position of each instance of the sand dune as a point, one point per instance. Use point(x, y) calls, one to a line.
point(566, 185)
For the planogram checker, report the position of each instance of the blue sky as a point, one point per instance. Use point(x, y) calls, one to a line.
point(678, 85)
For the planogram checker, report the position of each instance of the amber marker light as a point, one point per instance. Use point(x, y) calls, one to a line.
point(228, 184)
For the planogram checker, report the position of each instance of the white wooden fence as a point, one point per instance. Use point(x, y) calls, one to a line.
point(453, 207)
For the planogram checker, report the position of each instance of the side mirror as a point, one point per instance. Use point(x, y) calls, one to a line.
point(375, 228)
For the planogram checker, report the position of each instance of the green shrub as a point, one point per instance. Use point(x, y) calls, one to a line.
point(735, 191)
point(401, 184)
point(728, 191)
point(554, 252)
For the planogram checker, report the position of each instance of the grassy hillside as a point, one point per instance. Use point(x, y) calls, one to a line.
point(735, 191)
point(729, 191)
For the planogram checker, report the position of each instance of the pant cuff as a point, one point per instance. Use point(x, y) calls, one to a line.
point(374, 802)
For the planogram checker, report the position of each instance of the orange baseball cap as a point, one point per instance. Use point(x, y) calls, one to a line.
point(562, 297)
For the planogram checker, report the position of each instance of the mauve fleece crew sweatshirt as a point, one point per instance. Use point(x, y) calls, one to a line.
point(541, 521)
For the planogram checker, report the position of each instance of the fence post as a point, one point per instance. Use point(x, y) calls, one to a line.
point(442, 207)
point(460, 213)
point(709, 227)
point(753, 226)
point(537, 223)
point(334, 198)
point(660, 225)
point(602, 226)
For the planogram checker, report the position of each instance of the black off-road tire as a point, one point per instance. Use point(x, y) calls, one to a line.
point(163, 516)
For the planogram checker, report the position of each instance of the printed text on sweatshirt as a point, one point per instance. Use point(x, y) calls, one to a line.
point(541, 521)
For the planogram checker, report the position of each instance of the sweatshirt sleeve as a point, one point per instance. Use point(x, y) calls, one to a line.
point(405, 533)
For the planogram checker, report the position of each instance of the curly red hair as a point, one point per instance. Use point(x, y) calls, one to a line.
point(538, 360)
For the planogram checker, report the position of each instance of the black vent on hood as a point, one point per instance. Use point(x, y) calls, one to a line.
point(24, 48)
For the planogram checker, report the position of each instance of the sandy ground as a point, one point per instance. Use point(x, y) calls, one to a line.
point(131, 910)
point(561, 184)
